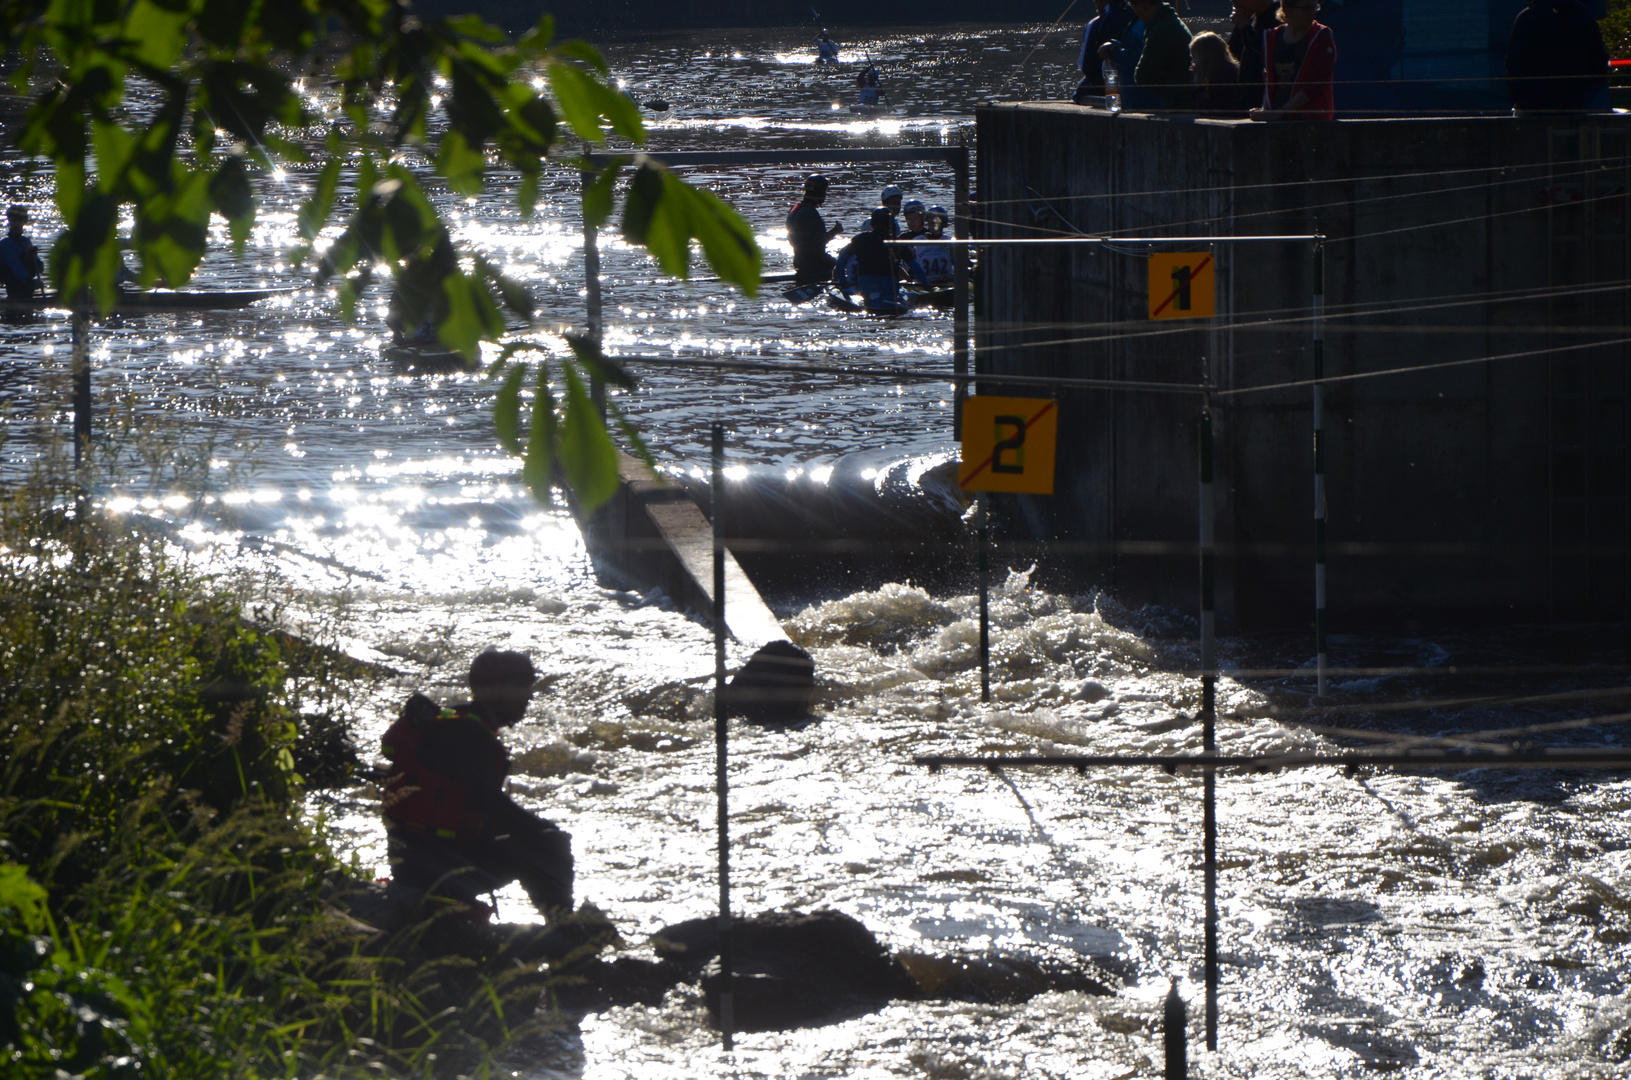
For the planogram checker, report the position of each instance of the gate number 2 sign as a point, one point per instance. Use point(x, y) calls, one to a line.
point(1008, 444)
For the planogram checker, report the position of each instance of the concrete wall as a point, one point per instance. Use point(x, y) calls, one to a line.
point(1482, 490)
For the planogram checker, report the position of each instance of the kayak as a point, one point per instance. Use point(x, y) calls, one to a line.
point(428, 359)
point(160, 300)
point(870, 110)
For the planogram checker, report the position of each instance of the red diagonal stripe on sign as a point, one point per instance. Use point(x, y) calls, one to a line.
point(981, 467)
point(1193, 274)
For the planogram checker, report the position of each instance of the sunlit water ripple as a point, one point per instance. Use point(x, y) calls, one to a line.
point(1432, 925)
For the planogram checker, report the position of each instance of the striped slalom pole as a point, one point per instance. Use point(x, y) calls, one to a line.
point(1209, 681)
point(1320, 658)
point(727, 1001)
point(985, 600)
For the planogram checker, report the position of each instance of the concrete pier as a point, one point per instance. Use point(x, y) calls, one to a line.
point(654, 536)
point(1488, 489)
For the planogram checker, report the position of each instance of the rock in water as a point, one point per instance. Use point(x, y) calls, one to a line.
point(775, 687)
point(792, 969)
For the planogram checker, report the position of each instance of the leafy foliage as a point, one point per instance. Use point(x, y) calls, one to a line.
point(449, 99)
point(1616, 27)
point(162, 911)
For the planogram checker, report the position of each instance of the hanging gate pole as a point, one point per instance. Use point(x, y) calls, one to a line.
point(1319, 466)
point(727, 1009)
point(960, 283)
point(80, 358)
point(1209, 682)
point(591, 294)
point(985, 600)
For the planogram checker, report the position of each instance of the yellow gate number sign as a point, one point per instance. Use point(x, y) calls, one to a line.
point(1008, 444)
point(1181, 286)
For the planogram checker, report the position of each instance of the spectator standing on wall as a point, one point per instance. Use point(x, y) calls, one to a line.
point(1299, 59)
point(1252, 19)
point(1124, 52)
point(1115, 18)
point(1556, 61)
point(1163, 65)
point(1217, 77)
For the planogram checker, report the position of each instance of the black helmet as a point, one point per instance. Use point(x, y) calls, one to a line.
point(881, 218)
point(816, 182)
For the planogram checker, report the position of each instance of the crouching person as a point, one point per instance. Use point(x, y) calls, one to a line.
point(454, 834)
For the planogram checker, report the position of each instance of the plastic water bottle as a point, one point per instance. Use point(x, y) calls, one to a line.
point(1112, 87)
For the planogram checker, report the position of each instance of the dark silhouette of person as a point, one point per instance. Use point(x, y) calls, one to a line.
point(1251, 19)
point(1115, 18)
point(808, 234)
point(453, 832)
point(1556, 60)
point(22, 271)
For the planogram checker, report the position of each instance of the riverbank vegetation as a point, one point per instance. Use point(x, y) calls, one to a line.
point(164, 911)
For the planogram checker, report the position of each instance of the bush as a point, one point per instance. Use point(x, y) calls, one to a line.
point(163, 910)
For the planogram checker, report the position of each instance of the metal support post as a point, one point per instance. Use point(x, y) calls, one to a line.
point(985, 601)
point(727, 1004)
point(81, 362)
point(959, 259)
point(1209, 680)
point(1319, 465)
point(591, 285)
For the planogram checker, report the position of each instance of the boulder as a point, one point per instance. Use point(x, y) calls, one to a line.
point(776, 687)
point(791, 969)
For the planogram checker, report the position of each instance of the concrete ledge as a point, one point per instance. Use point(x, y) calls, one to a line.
point(653, 535)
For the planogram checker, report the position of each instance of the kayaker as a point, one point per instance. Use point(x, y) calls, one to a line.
point(809, 234)
point(453, 832)
point(826, 48)
point(874, 266)
point(905, 258)
point(866, 87)
point(891, 201)
point(933, 261)
point(21, 269)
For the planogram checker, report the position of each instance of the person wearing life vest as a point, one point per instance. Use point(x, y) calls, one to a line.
point(453, 832)
point(22, 271)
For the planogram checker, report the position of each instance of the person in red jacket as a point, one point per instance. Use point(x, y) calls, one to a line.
point(452, 830)
point(1299, 60)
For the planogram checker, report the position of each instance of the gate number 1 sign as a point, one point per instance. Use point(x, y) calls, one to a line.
point(1181, 285)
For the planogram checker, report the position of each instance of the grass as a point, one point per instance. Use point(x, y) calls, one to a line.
point(164, 912)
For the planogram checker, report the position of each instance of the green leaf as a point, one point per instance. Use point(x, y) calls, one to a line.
point(584, 101)
point(234, 199)
point(538, 464)
point(664, 214)
point(19, 894)
point(315, 210)
point(582, 50)
point(507, 409)
point(460, 164)
point(597, 195)
point(157, 35)
point(586, 453)
point(471, 315)
point(474, 26)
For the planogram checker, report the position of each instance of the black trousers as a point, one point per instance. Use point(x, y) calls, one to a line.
point(518, 846)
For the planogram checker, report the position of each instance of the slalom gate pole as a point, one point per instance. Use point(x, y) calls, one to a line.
point(1320, 659)
point(80, 359)
point(591, 292)
point(960, 288)
point(1209, 682)
point(985, 602)
point(727, 1003)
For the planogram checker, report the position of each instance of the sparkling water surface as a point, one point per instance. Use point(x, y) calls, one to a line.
point(1430, 925)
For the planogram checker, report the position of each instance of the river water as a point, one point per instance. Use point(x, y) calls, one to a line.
point(1434, 925)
